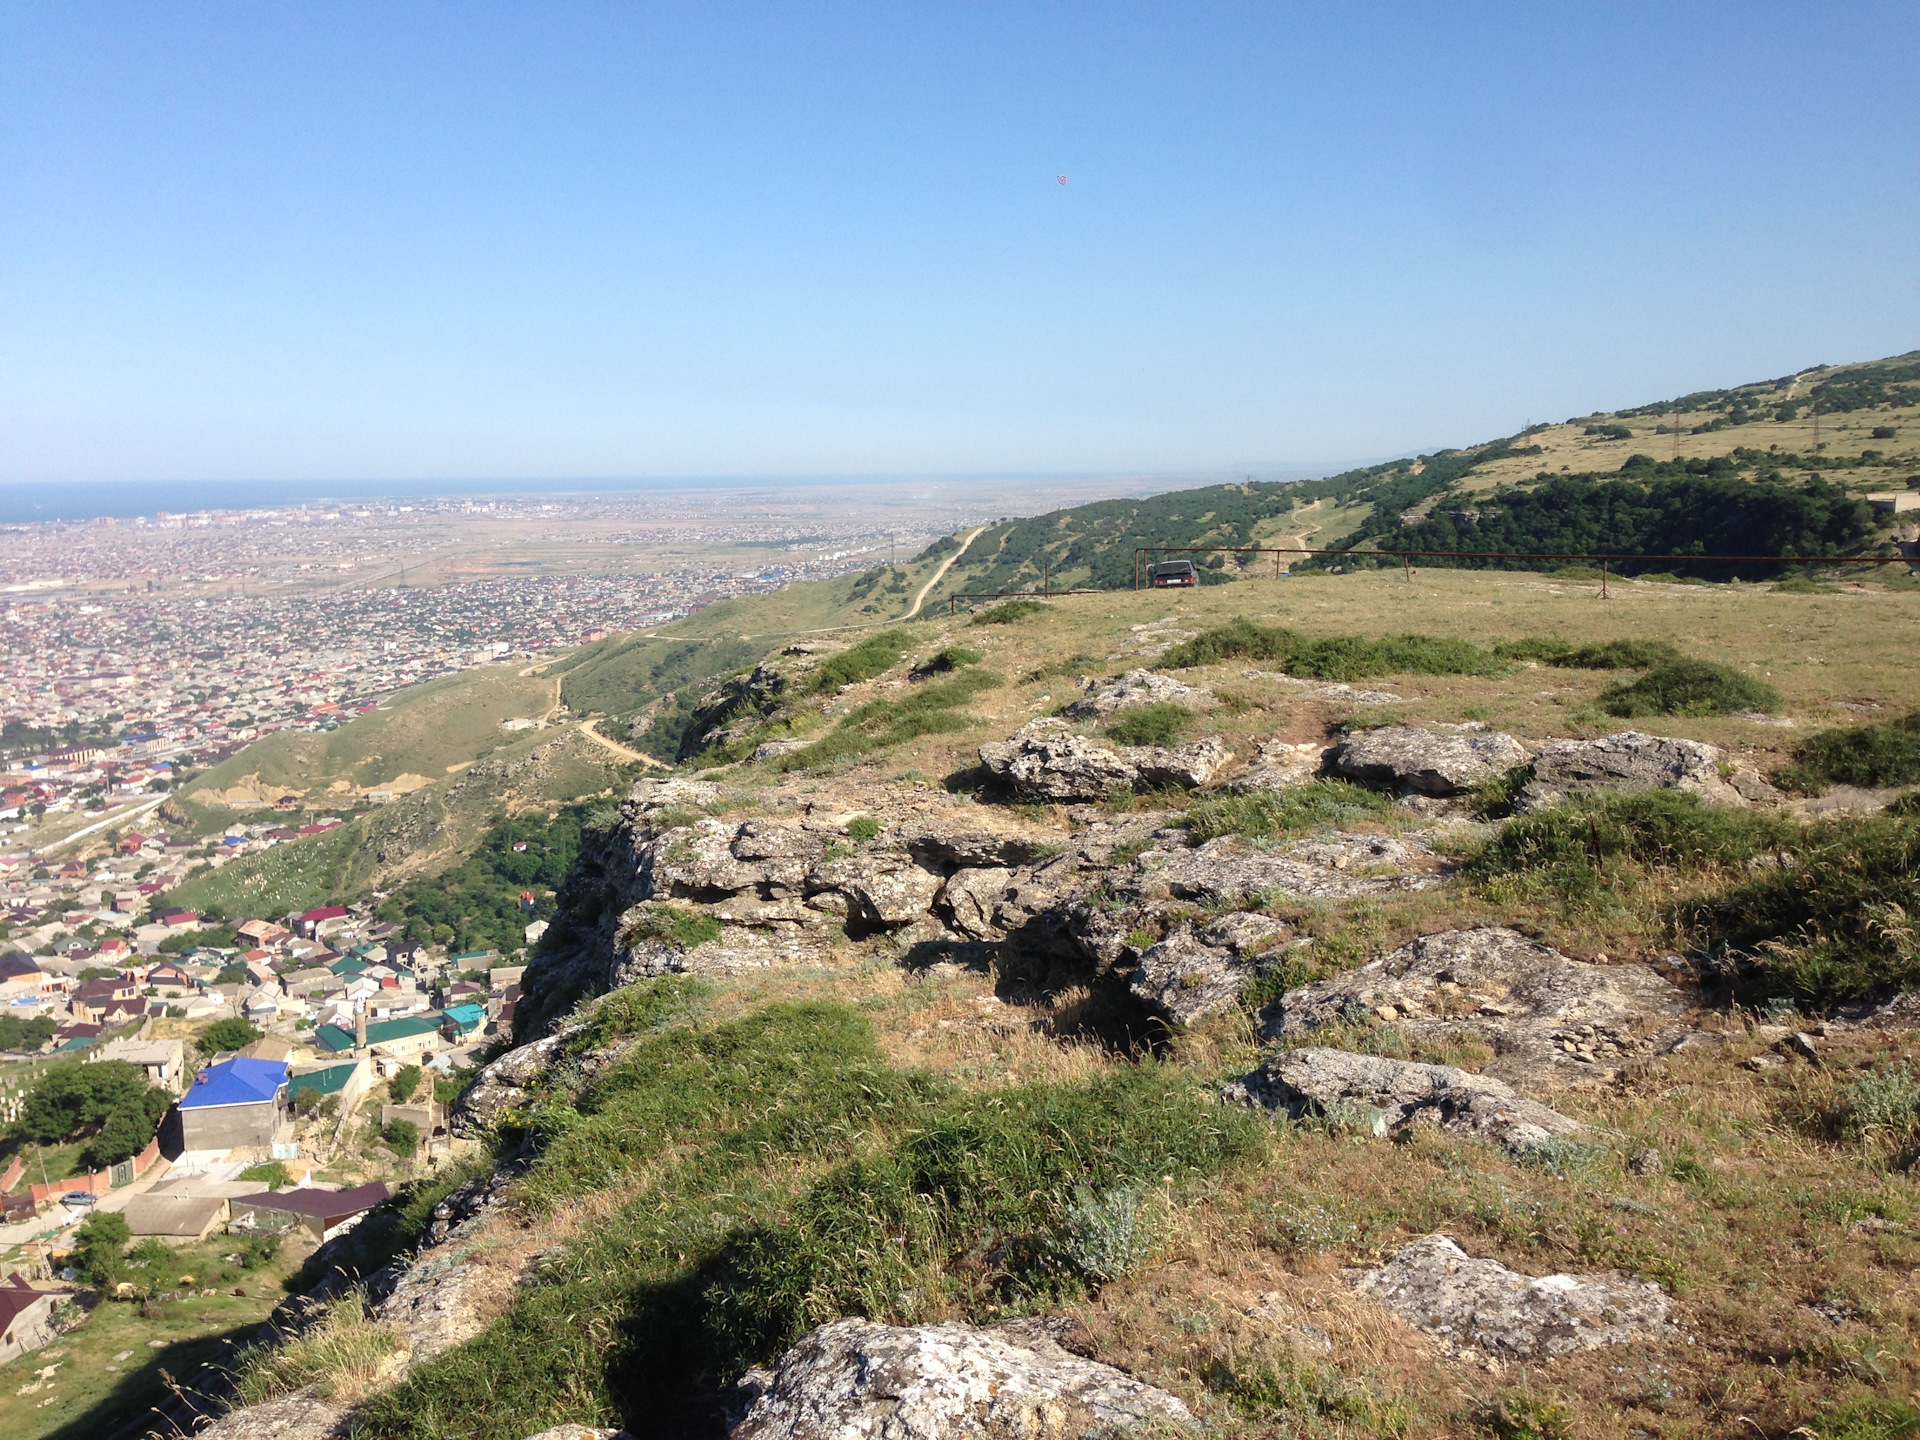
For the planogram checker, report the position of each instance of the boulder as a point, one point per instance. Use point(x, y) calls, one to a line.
point(1135, 689)
point(1184, 979)
point(857, 1378)
point(504, 1083)
point(1186, 768)
point(652, 794)
point(1278, 765)
point(1528, 1002)
point(580, 1432)
point(1044, 758)
point(1322, 1081)
point(1429, 760)
point(1437, 1287)
point(1629, 761)
point(971, 897)
point(945, 848)
point(298, 1416)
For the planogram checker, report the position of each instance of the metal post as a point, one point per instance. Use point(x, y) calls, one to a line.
point(1603, 580)
point(1046, 582)
point(1407, 559)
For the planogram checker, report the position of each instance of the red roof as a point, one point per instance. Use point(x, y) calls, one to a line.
point(324, 912)
point(16, 1296)
point(328, 1205)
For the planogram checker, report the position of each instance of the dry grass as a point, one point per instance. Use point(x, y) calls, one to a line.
point(341, 1357)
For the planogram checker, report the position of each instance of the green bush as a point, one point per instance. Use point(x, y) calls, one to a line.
point(1546, 650)
point(1839, 922)
point(271, 1174)
point(880, 723)
point(1334, 657)
point(863, 828)
point(1262, 813)
point(402, 1137)
point(225, 1035)
point(99, 1248)
point(1689, 687)
point(1619, 655)
point(1656, 828)
point(1868, 755)
point(1159, 723)
point(873, 656)
point(1008, 611)
point(405, 1081)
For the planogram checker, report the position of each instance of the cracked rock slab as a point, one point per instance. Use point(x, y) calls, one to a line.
point(1234, 871)
point(854, 1379)
point(1527, 1001)
point(1317, 1080)
point(1046, 759)
point(1430, 760)
point(1135, 689)
point(1437, 1287)
point(299, 1416)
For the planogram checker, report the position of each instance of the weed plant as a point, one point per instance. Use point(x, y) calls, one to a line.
point(946, 661)
point(676, 925)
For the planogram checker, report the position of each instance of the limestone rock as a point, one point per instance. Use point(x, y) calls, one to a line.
point(1432, 760)
point(1324, 1081)
point(1278, 765)
point(656, 794)
point(1437, 1287)
point(972, 896)
point(1530, 1003)
point(946, 848)
point(883, 887)
point(856, 1378)
point(1630, 761)
point(580, 1432)
point(1246, 932)
point(1046, 759)
point(1137, 688)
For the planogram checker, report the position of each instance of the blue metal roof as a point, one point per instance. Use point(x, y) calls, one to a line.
point(235, 1082)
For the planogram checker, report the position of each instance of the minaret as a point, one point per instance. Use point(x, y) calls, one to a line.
point(360, 1027)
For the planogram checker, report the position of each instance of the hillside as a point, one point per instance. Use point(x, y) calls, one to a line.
point(1814, 444)
point(1236, 1045)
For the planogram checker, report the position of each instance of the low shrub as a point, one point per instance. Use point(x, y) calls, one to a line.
point(1545, 650)
point(1689, 687)
point(1008, 611)
point(272, 1175)
point(1263, 813)
point(1159, 723)
point(1868, 755)
point(1333, 657)
point(1656, 828)
point(880, 723)
point(873, 656)
point(863, 828)
point(1619, 655)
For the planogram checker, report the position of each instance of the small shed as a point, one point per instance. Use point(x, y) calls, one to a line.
point(176, 1219)
point(323, 1213)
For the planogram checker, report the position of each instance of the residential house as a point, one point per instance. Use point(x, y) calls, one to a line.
point(319, 921)
point(404, 1039)
point(264, 933)
point(462, 1021)
point(348, 1079)
point(238, 1102)
point(163, 1060)
point(26, 1316)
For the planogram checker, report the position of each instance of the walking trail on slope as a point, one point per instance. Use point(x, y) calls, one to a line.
point(940, 575)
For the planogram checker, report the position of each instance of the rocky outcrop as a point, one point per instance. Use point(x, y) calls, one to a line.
point(580, 1432)
point(732, 709)
point(1428, 760)
point(856, 1378)
point(1629, 761)
point(504, 1084)
point(1527, 1002)
point(1047, 760)
point(1135, 689)
point(1437, 1287)
point(1398, 1094)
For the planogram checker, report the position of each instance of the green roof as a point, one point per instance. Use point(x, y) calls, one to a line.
point(471, 955)
point(330, 1081)
point(348, 966)
point(380, 1031)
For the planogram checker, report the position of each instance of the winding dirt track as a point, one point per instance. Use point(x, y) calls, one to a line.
point(586, 729)
point(940, 575)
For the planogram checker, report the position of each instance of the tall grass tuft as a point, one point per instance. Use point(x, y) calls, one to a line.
point(1260, 814)
point(340, 1356)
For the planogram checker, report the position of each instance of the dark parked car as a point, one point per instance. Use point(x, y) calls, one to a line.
point(1173, 572)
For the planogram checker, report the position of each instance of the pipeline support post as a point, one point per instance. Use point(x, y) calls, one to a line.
point(1603, 580)
point(1407, 560)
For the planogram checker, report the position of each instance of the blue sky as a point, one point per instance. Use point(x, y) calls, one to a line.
point(324, 241)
